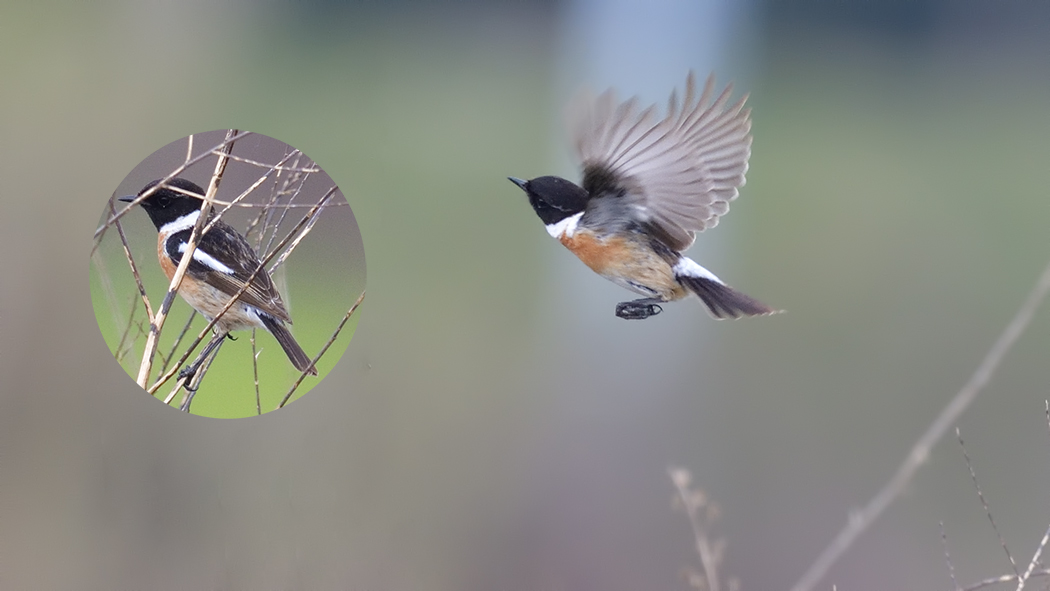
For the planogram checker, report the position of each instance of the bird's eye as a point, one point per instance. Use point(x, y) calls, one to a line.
point(164, 201)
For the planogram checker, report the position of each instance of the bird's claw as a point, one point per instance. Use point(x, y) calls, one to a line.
point(637, 310)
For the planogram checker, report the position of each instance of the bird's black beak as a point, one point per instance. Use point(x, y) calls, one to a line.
point(127, 198)
point(520, 183)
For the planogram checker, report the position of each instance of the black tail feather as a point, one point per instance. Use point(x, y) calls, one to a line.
point(295, 353)
point(724, 301)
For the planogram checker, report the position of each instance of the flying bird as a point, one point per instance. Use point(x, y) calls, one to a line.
point(649, 185)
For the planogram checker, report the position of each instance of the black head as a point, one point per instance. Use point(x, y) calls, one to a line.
point(167, 205)
point(553, 198)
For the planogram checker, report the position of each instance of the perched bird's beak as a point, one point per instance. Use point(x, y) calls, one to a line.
point(126, 198)
point(520, 183)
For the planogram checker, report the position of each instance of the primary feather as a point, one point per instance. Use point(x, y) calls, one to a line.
point(678, 173)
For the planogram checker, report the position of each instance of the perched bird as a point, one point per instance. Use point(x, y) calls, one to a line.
point(221, 266)
point(648, 186)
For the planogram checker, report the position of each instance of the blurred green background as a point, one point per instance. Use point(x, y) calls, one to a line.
point(492, 425)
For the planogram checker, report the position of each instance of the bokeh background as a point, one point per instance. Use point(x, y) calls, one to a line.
point(492, 425)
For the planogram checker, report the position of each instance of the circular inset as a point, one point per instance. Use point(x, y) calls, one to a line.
point(238, 311)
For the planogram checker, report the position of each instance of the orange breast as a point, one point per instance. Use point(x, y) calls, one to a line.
point(598, 254)
point(166, 264)
point(206, 299)
point(626, 263)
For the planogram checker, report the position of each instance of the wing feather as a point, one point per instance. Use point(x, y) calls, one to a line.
point(680, 171)
point(235, 252)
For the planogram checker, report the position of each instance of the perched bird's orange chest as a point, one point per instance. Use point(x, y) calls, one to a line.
point(166, 264)
point(205, 298)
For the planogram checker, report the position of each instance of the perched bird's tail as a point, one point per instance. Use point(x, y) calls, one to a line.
point(721, 300)
point(295, 353)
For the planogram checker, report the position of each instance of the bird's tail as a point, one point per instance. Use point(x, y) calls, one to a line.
point(721, 300)
point(295, 353)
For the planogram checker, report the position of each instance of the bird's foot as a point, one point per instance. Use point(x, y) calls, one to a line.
point(638, 309)
point(187, 374)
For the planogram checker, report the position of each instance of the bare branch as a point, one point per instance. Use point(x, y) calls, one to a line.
point(127, 329)
point(280, 167)
point(166, 359)
point(179, 170)
point(984, 503)
point(1035, 561)
point(207, 357)
point(324, 349)
point(859, 521)
point(255, 374)
point(693, 501)
point(948, 559)
point(1002, 579)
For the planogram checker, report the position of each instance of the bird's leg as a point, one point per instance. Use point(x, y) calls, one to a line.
point(190, 370)
point(639, 309)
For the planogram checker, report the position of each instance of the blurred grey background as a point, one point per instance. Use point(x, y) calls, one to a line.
point(492, 424)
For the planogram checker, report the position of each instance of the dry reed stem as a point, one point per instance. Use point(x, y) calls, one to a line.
point(693, 501)
point(860, 520)
point(178, 170)
point(324, 349)
point(157, 323)
point(984, 503)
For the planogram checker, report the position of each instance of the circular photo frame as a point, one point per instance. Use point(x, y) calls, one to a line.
point(226, 274)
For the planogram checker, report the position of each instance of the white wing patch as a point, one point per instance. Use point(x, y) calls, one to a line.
point(206, 259)
point(690, 268)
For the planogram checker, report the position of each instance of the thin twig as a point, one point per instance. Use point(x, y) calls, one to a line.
point(126, 348)
point(280, 167)
point(708, 559)
point(284, 211)
point(1046, 536)
point(948, 559)
point(166, 359)
point(313, 362)
point(268, 206)
point(127, 329)
point(209, 352)
point(131, 263)
point(301, 236)
point(1035, 560)
point(255, 374)
point(198, 376)
point(859, 522)
point(1002, 579)
point(244, 194)
point(163, 181)
point(984, 503)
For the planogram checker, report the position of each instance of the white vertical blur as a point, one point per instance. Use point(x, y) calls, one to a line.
point(644, 49)
point(612, 382)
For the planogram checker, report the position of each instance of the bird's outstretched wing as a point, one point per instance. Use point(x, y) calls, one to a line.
point(678, 173)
